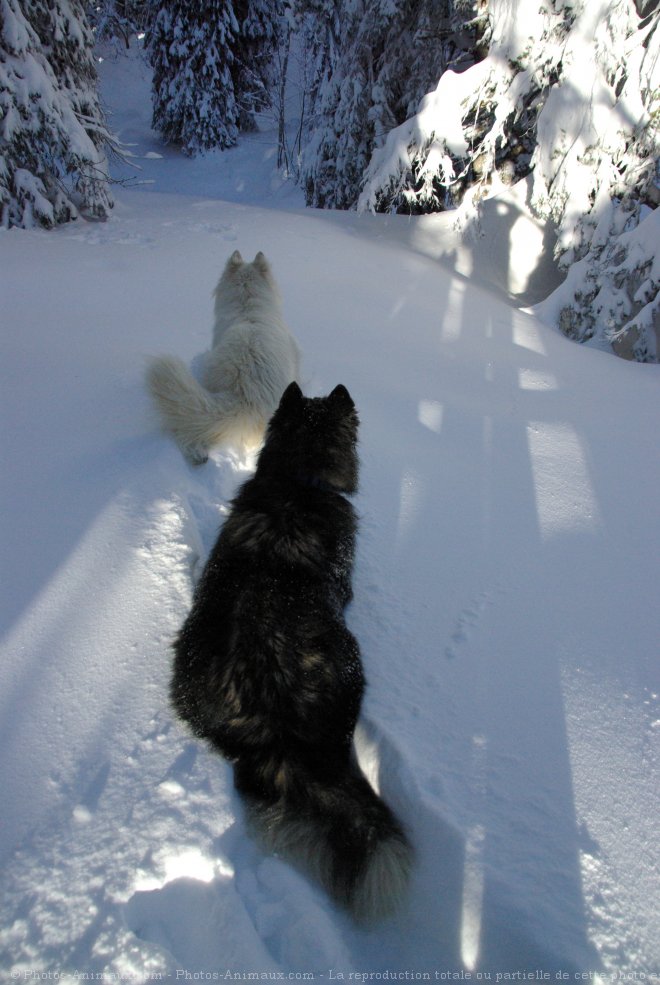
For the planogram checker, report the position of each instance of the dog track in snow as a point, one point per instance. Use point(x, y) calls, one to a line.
point(226, 231)
point(207, 498)
point(182, 908)
point(468, 621)
point(103, 234)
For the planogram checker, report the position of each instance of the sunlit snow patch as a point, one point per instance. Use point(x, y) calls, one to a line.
point(182, 863)
point(530, 379)
point(527, 334)
point(368, 756)
point(429, 413)
point(473, 893)
point(565, 498)
point(525, 251)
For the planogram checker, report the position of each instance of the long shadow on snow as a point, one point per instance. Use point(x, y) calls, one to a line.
point(498, 886)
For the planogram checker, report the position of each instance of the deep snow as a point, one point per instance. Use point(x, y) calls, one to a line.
point(505, 598)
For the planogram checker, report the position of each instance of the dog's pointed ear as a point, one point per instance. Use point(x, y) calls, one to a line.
point(292, 397)
point(261, 263)
point(235, 259)
point(340, 397)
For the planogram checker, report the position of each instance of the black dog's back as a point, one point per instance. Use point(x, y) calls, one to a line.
point(268, 672)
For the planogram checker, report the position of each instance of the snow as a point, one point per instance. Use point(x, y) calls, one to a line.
point(505, 600)
point(504, 245)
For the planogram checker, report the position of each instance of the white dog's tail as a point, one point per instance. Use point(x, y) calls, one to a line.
point(196, 418)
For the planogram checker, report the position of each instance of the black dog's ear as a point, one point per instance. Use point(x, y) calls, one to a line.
point(341, 397)
point(292, 397)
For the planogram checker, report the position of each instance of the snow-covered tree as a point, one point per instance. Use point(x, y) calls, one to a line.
point(341, 136)
point(317, 25)
point(301, 66)
point(261, 32)
point(191, 48)
point(112, 19)
point(569, 94)
point(52, 131)
point(380, 58)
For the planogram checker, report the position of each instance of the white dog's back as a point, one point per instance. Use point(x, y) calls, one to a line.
point(253, 359)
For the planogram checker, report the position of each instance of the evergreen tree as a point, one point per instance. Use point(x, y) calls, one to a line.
point(261, 33)
point(382, 58)
point(318, 26)
point(122, 19)
point(303, 65)
point(191, 48)
point(52, 130)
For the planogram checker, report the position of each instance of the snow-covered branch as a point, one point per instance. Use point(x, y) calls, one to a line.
point(569, 94)
point(53, 136)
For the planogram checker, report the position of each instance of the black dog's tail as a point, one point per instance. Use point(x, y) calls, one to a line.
point(342, 833)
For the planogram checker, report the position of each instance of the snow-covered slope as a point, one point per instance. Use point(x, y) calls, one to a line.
point(505, 602)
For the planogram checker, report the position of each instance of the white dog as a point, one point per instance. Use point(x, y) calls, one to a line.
point(253, 359)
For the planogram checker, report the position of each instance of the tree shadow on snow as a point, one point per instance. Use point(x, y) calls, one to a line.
point(472, 592)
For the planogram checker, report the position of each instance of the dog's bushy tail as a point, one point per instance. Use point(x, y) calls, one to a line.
point(344, 835)
point(196, 418)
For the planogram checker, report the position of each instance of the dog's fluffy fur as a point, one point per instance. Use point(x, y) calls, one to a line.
point(266, 670)
point(252, 360)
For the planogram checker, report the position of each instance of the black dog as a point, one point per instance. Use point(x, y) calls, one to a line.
point(267, 671)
